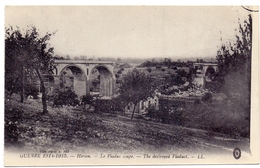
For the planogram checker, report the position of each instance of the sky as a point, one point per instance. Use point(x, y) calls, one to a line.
point(131, 31)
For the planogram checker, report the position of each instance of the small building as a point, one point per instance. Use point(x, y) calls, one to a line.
point(142, 106)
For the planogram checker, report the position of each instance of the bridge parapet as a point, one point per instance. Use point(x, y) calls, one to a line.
point(82, 62)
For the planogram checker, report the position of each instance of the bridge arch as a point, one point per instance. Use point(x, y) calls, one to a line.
point(74, 77)
point(86, 67)
point(210, 73)
point(105, 82)
point(72, 65)
point(204, 68)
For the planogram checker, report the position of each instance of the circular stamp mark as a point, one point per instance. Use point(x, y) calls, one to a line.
point(237, 153)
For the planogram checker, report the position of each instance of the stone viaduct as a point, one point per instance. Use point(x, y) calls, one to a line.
point(204, 67)
point(80, 75)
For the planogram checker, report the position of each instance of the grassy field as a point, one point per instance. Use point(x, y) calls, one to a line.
point(72, 128)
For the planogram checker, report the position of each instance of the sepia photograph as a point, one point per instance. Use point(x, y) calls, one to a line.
point(131, 85)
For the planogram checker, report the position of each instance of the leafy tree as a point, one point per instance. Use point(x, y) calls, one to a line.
point(27, 53)
point(14, 59)
point(135, 86)
point(234, 63)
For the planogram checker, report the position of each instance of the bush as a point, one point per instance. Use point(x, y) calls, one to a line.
point(11, 128)
point(152, 112)
point(178, 116)
point(65, 97)
point(119, 72)
point(197, 101)
point(149, 69)
point(86, 99)
point(207, 97)
point(31, 90)
point(117, 76)
point(103, 106)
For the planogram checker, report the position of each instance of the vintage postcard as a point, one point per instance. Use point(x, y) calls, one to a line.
point(131, 85)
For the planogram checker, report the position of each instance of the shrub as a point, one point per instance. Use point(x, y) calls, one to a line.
point(30, 89)
point(11, 127)
point(86, 99)
point(207, 97)
point(149, 69)
point(117, 76)
point(119, 72)
point(178, 116)
point(65, 97)
point(152, 112)
point(197, 101)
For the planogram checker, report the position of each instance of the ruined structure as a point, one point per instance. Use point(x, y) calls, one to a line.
point(204, 71)
point(142, 106)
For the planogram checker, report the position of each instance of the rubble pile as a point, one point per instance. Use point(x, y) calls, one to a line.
point(194, 91)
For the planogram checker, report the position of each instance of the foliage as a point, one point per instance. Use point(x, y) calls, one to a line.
point(63, 97)
point(87, 99)
point(32, 51)
point(12, 118)
point(31, 90)
point(152, 112)
point(207, 97)
point(57, 57)
point(125, 65)
point(217, 116)
point(117, 75)
point(149, 69)
point(73, 129)
point(166, 62)
point(234, 63)
point(95, 82)
point(113, 105)
point(29, 53)
point(135, 86)
point(182, 73)
point(211, 73)
point(200, 60)
point(197, 101)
